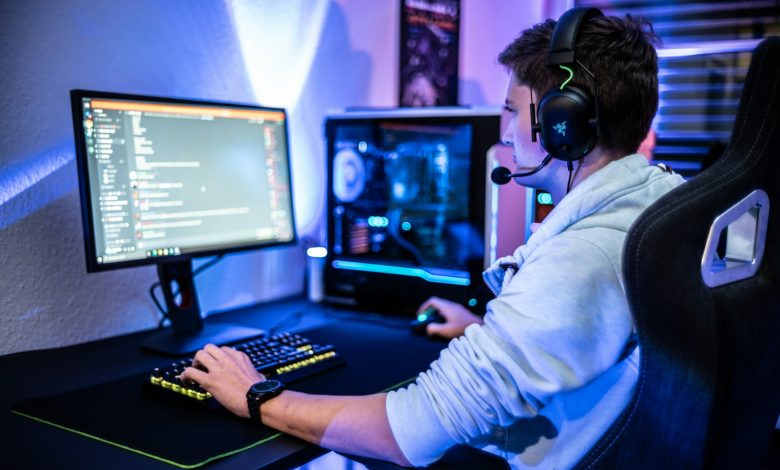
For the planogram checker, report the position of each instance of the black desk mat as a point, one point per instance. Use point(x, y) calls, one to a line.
point(185, 435)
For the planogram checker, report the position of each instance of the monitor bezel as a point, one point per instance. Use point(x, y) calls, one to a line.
point(88, 226)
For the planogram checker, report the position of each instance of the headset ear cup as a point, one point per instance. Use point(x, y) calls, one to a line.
point(566, 123)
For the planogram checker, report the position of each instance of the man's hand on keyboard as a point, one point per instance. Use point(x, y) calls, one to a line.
point(225, 373)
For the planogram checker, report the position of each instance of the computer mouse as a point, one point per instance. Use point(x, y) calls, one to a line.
point(429, 315)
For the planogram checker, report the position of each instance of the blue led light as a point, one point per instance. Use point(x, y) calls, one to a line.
point(406, 226)
point(421, 317)
point(401, 271)
point(472, 302)
point(377, 221)
point(544, 199)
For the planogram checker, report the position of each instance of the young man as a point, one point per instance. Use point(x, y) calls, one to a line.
point(553, 364)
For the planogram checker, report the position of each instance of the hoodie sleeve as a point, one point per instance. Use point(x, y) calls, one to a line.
point(562, 321)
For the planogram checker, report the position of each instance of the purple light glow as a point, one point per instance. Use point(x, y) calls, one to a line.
point(706, 48)
point(18, 179)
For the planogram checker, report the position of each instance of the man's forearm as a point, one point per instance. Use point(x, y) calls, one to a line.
point(353, 425)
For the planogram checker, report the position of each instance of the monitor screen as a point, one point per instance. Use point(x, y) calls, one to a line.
point(408, 206)
point(165, 179)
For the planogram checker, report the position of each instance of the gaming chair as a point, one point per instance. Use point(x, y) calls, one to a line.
point(702, 275)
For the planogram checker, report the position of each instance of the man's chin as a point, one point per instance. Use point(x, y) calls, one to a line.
point(524, 169)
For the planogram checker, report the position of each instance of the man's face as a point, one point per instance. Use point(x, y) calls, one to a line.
point(526, 154)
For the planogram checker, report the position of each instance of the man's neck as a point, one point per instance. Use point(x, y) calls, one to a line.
point(583, 168)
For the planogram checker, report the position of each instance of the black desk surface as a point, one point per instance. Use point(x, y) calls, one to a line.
point(25, 443)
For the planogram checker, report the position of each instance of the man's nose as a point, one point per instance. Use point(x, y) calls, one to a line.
point(506, 137)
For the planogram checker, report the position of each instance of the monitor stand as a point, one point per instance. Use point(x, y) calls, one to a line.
point(188, 331)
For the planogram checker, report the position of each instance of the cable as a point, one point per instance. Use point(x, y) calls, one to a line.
point(394, 216)
point(571, 173)
point(157, 285)
point(296, 315)
point(366, 318)
point(157, 303)
point(163, 312)
point(207, 264)
point(326, 311)
point(586, 70)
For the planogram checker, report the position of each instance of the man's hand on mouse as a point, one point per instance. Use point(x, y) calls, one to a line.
point(456, 315)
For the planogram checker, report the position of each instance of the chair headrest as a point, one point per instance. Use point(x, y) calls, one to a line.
point(757, 117)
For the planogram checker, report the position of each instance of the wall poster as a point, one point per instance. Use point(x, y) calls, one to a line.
point(429, 52)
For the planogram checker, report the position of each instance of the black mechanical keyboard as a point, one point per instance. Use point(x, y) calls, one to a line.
point(286, 357)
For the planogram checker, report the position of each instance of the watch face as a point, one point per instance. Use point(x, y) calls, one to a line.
point(266, 386)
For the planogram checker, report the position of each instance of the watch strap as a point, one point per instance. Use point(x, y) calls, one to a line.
point(255, 399)
point(254, 408)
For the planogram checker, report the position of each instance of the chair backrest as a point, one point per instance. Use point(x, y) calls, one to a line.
point(708, 393)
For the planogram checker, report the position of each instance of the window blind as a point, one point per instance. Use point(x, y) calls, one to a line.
point(705, 53)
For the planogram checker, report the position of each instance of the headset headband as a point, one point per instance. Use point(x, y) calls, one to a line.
point(565, 34)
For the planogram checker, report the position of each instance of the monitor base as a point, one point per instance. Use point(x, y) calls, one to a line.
point(172, 344)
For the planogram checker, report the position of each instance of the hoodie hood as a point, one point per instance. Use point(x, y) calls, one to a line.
point(612, 197)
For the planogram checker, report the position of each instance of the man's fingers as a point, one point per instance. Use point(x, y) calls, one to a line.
point(232, 352)
point(235, 355)
point(434, 302)
point(196, 375)
point(204, 359)
point(245, 363)
point(435, 329)
point(426, 304)
point(238, 359)
point(215, 351)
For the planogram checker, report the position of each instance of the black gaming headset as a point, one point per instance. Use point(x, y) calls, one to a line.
point(567, 121)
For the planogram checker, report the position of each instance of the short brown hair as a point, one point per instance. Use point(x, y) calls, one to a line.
point(620, 52)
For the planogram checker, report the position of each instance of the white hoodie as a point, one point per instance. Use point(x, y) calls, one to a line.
point(552, 367)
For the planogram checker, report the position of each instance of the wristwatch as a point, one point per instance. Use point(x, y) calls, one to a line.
point(260, 393)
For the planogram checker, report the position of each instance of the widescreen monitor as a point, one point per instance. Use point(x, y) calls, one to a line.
point(166, 180)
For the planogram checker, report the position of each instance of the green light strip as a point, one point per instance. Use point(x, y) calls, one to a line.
point(146, 454)
point(170, 462)
point(571, 75)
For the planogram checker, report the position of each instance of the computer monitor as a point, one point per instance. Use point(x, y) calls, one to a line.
point(409, 206)
point(165, 180)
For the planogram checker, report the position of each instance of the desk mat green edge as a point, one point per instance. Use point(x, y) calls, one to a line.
point(170, 462)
